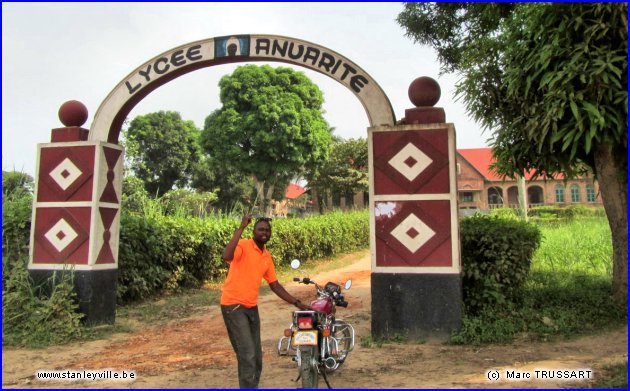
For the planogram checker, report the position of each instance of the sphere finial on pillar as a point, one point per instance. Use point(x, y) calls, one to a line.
point(73, 113)
point(424, 92)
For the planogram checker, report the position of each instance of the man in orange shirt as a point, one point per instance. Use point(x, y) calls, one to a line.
point(249, 262)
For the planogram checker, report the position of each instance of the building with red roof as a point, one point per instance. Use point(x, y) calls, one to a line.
point(294, 201)
point(293, 191)
point(480, 188)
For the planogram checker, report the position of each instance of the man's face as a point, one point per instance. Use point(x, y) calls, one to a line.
point(262, 232)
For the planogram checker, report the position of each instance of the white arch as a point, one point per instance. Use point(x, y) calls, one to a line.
point(230, 49)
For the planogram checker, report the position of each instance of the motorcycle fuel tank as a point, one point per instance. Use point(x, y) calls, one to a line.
point(323, 305)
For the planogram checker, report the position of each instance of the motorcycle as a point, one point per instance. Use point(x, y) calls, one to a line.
point(318, 341)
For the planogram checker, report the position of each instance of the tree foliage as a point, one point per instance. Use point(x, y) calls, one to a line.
point(550, 81)
point(235, 191)
point(344, 172)
point(16, 183)
point(163, 150)
point(270, 126)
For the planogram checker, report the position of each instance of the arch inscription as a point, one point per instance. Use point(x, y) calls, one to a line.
point(232, 49)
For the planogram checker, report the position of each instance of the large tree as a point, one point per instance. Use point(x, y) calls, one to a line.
point(345, 171)
point(235, 191)
point(550, 81)
point(163, 150)
point(270, 126)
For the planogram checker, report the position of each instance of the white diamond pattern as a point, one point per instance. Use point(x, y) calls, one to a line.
point(71, 171)
point(61, 235)
point(412, 223)
point(420, 161)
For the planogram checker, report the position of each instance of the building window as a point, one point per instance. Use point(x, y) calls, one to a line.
point(459, 169)
point(535, 195)
point(590, 193)
point(575, 193)
point(495, 196)
point(560, 194)
point(467, 196)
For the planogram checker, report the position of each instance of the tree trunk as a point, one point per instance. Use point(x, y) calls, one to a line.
point(269, 201)
point(321, 198)
point(260, 196)
point(614, 192)
point(522, 197)
point(264, 199)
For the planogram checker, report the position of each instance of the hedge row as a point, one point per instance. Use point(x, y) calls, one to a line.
point(166, 253)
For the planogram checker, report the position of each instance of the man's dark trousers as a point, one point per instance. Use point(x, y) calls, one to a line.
point(243, 327)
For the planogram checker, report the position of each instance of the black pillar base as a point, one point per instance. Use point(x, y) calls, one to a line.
point(95, 289)
point(416, 306)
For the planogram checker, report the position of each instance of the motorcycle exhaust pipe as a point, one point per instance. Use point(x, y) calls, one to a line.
point(330, 363)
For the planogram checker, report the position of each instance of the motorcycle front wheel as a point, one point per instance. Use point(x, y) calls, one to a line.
point(308, 366)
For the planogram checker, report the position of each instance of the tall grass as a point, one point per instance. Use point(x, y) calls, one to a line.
point(578, 247)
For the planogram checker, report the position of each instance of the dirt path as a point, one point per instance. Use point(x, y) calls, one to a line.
point(195, 353)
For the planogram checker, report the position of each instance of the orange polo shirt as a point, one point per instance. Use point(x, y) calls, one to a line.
point(247, 269)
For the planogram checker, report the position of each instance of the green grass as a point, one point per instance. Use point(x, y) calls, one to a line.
point(613, 376)
point(577, 247)
point(567, 292)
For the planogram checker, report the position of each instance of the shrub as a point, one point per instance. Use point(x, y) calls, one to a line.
point(33, 318)
point(496, 257)
point(319, 236)
point(16, 225)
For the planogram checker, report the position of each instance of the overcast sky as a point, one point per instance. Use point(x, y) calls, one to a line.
point(55, 52)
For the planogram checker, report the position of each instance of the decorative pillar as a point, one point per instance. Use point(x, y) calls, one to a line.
point(76, 213)
point(416, 282)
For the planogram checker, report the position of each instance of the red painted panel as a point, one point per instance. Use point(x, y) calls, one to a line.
point(430, 222)
point(434, 179)
point(106, 255)
point(80, 162)
point(111, 158)
point(59, 224)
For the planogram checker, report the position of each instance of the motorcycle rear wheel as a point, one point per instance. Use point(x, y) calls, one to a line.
point(308, 366)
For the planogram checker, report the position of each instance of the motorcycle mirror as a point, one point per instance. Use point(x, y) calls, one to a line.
point(295, 264)
point(348, 284)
